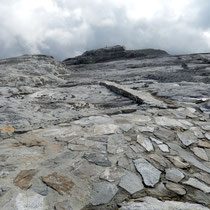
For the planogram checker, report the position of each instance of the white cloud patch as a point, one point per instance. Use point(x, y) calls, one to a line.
point(64, 28)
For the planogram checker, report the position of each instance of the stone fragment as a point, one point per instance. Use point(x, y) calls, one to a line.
point(30, 140)
point(199, 152)
point(23, 179)
point(150, 203)
point(30, 201)
point(207, 135)
point(206, 127)
point(145, 142)
point(163, 147)
point(7, 129)
point(177, 188)
point(75, 147)
point(104, 129)
point(98, 159)
point(52, 149)
point(204, 144)
point(103, 193)
point(187, 156)
point(197, 184)
point(187, 137)
point(112, 174)
point(168, 122)
point(197, 132)
point(165, 134)
point(63, 185)
point(174, 175)
point(156, 141)
point(159, 159)
point(146, 129)
point(131, 183)
point(140, 118)
point(179, 162)
point(64, 205)
point(150, 174)
point(203, 177)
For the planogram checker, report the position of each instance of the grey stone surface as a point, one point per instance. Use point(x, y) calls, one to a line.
point(201, 153)
point(103, 193)
point(131, 183)
point(145, 142)
point(98, 159)
point(149, 203)
point(177, 188)
point(187, 138)
point(150, 174)
point(197, 184)
point(174, 175)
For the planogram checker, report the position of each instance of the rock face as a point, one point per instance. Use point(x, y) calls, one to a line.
point(96, 136)
point(111, 53)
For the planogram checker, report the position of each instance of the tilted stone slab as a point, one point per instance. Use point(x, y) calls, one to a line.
point(150, 174)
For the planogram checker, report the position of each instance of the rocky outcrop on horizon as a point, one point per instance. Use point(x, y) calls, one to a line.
point(125, 134)
point(112, 53)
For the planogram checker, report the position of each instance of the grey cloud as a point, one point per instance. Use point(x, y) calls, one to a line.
point(75, 26)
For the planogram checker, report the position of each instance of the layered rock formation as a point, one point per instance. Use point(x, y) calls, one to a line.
point(112, 53)
point(127, 134)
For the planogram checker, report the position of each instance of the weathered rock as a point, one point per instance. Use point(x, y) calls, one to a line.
point(63, 185)
point(105, 129)
point(204, 144)
point(145, 142)
point(131, 183)
point(164, 148)
point(179, 162)
point(103, 193)
point(197, 132)
point(203, 177)
point(112, 174)
point(98, 159)
point(150, 174)
point(168, 122)
point(74, 147)
point(187, 137)
point(200, 153)
point(154, 204)
point(64, 205)
point(174, 175)
point(177, 188)
point(7, 129)
point(197, 184)
point(23, 179)
point(207, 135)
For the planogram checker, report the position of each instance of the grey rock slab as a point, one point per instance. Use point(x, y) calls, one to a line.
point(201, 153)
point(150, 203)
point(164, 148)
point(103, 193)
point(187, 137)
point(156, 141)
point(98, 159)
point(174, 175)
point(207, 135)
point(197, 132)
point(105, 129)
point(145, 142)
point(112, 174)
point(189, 158)
point(75, 147)
point(168, 122)
point(178, 162)
point(206, 127)
point(150, 174)
point(203, 177)
point(177, 188)
point(197, 184)
point(131, 183)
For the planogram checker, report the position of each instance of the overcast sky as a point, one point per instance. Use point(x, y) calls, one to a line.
point(65, 28)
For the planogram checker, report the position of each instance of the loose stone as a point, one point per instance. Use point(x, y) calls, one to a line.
point(131, 183)
point(150, 174)
point(177, 188)
point(199, 152)
point(103, 193)
point(174, 175)
point(178, 162)
point(98, 159)
point(197, 184)
point(145, 142)
point(187, 137)
point(163, 147)
point(204, 144)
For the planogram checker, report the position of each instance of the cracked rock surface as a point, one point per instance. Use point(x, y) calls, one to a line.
point(131, 133)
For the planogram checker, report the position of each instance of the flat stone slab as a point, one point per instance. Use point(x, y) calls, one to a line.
point(145, 142)
point(200, 152)
point(187, 138)
point(149, 203)
point(131, 183)
point(177, 188)
point(150, 174)
point(103, 193)
point(98, 158)
point(197, 184)
point(174, 175)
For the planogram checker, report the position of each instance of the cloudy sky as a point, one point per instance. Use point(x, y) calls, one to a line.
point(65, 28)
